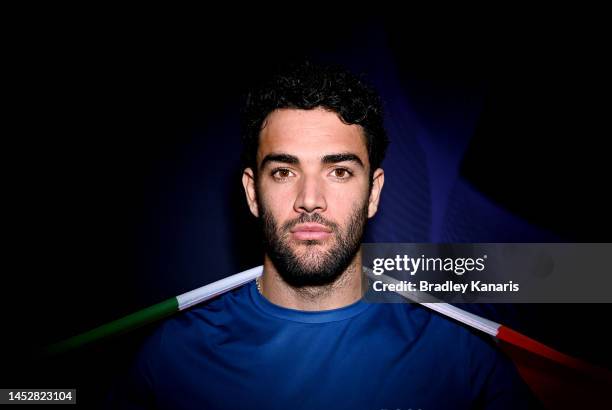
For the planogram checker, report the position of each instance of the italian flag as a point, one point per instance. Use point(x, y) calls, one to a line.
point(557, 379)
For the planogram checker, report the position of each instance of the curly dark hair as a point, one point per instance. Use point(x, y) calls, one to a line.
point(307, 86)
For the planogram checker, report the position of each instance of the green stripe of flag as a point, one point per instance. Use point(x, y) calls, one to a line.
point(155, 312)
point(116, 327)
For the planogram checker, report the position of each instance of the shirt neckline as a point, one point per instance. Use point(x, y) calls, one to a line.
point(303, 316)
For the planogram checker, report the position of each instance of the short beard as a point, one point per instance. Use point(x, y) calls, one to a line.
point(318, 270)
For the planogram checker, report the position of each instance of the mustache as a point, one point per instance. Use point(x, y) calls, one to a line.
point(309, 218)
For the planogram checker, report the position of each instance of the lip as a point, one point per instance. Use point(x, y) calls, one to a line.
point(311, 231)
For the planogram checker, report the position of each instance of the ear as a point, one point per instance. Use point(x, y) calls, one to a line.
point(378, 180)
point(248, 182)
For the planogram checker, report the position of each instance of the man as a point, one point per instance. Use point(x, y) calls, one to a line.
point(302, 337)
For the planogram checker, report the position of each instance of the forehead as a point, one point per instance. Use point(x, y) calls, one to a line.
point(310, 134)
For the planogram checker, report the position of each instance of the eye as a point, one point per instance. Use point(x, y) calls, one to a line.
point(281, 174)
point(341, 173)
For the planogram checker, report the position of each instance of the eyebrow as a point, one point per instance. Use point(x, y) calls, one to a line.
point(333, 158)
point(284, 158)
point(326, 159)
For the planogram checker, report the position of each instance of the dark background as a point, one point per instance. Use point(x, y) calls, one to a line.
point(122, 176)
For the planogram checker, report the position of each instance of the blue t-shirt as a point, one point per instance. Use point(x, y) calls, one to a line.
point(240, 351)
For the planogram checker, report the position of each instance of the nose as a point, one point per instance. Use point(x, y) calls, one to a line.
point(310, 197)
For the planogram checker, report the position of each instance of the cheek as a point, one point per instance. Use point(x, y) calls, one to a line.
point(343, 205)
point(278, 202)
point(341, 202)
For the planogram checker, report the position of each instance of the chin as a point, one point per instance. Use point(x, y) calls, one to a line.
point(309, 252)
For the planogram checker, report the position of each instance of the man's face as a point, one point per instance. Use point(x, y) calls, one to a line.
point(311, 193)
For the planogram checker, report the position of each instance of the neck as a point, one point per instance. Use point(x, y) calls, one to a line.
point(345, 290)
